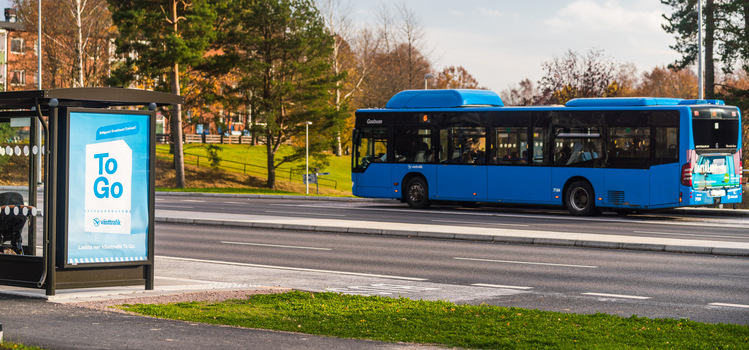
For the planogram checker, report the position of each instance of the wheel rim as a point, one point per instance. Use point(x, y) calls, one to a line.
point(416, 193)
point(579, 199)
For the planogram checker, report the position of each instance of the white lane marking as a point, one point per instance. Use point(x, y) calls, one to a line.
point(478, 223)
point(527, 263)
point(620, 296)
point(500, 286)
point(293, 268)
point(236, 202)
point(193, 200)
point(274, 245)
point(688, 234)
point(289, 213)
point(730, 305)
point(175, 206)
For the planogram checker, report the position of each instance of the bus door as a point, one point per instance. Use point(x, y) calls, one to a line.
point(462, 173)
point(665, 167)
point(370, 172)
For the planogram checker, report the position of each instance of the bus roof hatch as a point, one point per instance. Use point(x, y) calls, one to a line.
point(623, 102)
point(444, 99)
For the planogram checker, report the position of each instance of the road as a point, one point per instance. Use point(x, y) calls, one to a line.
point(701, 287)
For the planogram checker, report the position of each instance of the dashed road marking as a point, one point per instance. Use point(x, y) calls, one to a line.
point(274, 245)
point(500, 286)
point(526, 263)
point(730, 305)
point(618, 296)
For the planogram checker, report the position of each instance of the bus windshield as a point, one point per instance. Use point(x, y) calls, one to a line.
point(715, 128)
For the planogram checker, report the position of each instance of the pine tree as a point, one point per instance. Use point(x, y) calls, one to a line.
point(157, 37)
point(280, 50)
point(684, 24)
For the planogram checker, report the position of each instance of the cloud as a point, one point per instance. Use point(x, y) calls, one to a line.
point(489, 12)
point(604, 17)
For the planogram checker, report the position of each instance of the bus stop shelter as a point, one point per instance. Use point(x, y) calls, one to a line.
point(93, 149)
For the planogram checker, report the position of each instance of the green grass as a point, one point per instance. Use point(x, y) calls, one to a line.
point(256, 159)
point(9, 345)
point(439, 322)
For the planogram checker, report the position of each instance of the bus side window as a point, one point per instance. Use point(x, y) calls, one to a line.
point(463, 145)
point(666, 141)
point(510, 146)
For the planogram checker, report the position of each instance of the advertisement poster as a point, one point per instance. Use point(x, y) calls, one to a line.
point(108, 187)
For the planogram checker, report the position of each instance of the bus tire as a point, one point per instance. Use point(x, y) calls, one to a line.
point(417, 194)
point(580, 199)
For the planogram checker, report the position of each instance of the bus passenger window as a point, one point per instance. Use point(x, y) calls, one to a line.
point(580, 147)
point(629, 147)
point(666, 141)
point(510, 147)
point(413, 146)
point(463, 145)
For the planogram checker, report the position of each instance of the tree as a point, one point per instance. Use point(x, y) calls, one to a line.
point(400, 63)
point(668, 82)
point(574, 75)
point(522, 94)
point(683, 22)
point(455, 78)
point(158, 37)
point(280, 50)
point(736, 34)
point(76, 36)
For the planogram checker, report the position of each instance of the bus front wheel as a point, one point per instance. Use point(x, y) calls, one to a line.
point(416, 194)
point(580, 199)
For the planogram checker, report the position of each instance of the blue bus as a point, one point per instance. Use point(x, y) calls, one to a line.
point(617, 154)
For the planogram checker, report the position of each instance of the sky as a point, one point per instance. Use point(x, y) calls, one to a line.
point(501, 42)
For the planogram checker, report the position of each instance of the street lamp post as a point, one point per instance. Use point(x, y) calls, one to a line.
point(306, 145)
point(426, 77)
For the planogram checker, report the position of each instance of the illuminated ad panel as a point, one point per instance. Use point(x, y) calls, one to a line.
point(108, 187)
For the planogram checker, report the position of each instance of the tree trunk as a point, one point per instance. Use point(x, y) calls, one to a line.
point(79, 43)
point(176, 122)
point(271, 160)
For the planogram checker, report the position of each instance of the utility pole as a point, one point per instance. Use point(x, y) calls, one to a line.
point(700, 59)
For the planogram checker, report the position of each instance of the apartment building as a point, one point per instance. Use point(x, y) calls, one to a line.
point(18, 55)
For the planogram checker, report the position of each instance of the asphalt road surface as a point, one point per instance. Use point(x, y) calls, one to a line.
point(570, 279)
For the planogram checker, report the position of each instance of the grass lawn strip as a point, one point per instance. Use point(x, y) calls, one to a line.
point(440, 322)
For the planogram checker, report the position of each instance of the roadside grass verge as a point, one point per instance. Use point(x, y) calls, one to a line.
point(9, 345)
point(255, 158)
point(449, 324)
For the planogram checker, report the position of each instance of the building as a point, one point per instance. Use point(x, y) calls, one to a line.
point(18, 55)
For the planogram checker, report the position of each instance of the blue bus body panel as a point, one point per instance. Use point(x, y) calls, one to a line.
point(519, 184)
point(461, 182)
point(377, 180)
point(664, 185)
point(626, 188)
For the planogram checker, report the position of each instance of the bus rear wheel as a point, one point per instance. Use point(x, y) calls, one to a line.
point(580, 199)
point(416, 193)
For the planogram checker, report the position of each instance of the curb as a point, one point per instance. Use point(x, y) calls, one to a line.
point(271, 196)
point(468, 237)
